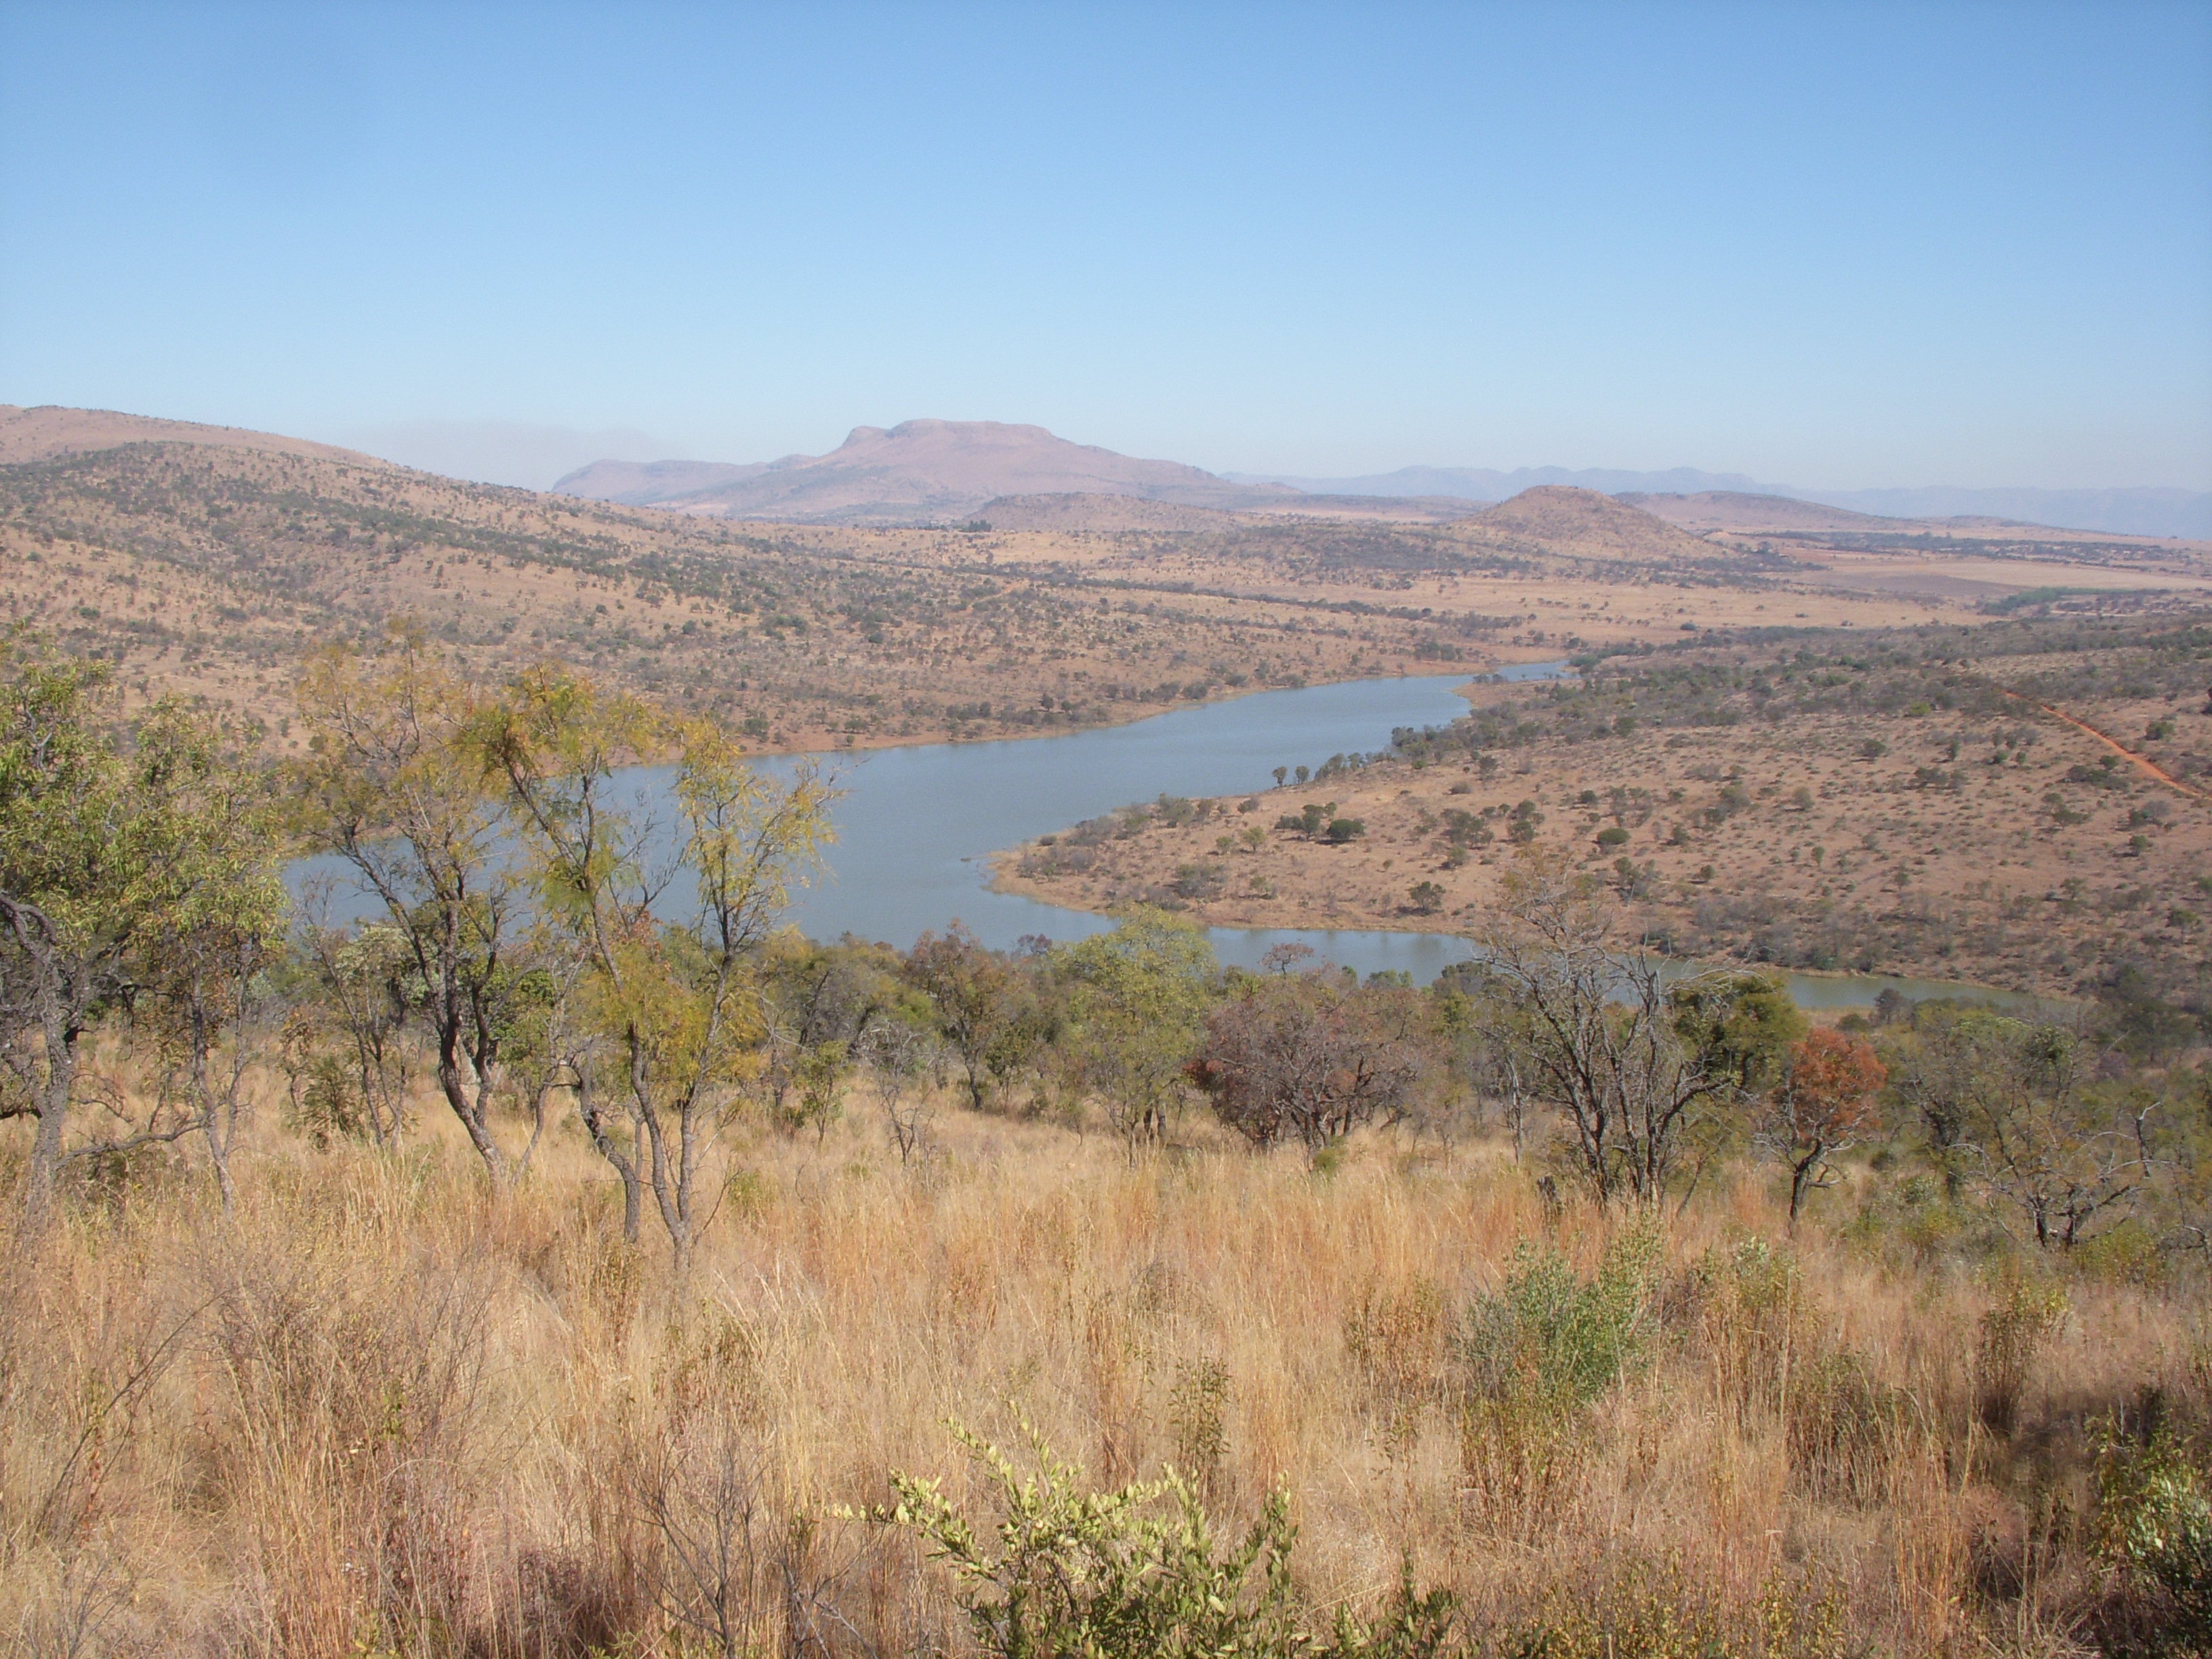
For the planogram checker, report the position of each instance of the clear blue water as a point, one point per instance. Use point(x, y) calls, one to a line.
point(916, 826)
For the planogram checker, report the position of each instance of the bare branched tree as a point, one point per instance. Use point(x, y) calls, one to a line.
point(906, 1063)
point(1308, 1058)
point(1599, 1031)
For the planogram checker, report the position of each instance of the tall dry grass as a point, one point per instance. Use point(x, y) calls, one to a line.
point(374, 1411)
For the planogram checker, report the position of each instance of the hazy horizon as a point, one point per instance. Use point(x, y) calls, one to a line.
point(536, 456)
point(1845, 248)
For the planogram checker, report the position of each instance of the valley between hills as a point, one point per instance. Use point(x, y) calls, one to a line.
point(1740, 654)
point(208, 562)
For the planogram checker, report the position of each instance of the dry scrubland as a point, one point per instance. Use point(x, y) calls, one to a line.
point(302, 1353)
point(210, 563)
point(373, 1410)
point(1897, 801)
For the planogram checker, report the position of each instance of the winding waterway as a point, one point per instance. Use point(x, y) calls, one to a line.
point(916, 826)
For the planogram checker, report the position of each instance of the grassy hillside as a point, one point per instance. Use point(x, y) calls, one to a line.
point(214, 568)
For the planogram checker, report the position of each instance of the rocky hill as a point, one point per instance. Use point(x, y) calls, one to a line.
point(1583, 524)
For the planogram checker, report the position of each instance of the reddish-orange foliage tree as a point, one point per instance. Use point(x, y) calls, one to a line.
point(1824, 1104)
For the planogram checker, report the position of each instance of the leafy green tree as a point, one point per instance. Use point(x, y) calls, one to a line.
point(1741, 1024)
point(1141, 994)
point(982, 1003)
point(822, 1002)
point(676, 1005)
point(206, 957)
point(112, 858)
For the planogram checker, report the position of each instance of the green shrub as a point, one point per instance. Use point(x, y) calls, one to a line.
point(1136, 1573)
point(1550, 1332)
point(2153, 1521)
point(1533, 1357)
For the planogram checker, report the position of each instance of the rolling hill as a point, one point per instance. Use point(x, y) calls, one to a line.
point(49, 432)
point(1557, 519)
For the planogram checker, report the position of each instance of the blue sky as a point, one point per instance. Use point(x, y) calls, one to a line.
point(1836, 246)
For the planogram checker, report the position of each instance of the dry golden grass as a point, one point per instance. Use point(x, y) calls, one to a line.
point(372, 1413)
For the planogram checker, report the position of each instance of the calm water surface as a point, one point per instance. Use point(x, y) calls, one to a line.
point(916, 826)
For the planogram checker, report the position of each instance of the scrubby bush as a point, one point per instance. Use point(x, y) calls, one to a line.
point(1136, 1573)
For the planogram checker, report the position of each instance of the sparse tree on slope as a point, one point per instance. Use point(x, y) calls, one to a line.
point(668, 929)
point(111, 858)
point(1602, 1036)
point(392, 787)
point(1309, 1058)
point(1824, 1104)
point(1141, 996)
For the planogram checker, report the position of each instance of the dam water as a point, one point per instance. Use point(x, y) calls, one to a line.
point(916, 826)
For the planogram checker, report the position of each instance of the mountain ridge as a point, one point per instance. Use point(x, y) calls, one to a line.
point(2144, 510)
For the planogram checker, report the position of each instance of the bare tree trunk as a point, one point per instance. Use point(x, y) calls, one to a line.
point(472, 1106)
point(218, 1136)
point(45, 1166)
point(624, 1163)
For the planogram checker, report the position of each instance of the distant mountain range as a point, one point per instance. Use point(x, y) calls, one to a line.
point(1482, 483)
point(2128, 512)
point(932, 471)
point(2144, 511)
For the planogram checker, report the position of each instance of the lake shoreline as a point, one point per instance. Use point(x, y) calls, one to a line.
point(1830, 989)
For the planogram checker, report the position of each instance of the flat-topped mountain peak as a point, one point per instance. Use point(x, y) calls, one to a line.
point(919, 470)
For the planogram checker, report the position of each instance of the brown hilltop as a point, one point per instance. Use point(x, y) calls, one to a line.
point(48, 432)
point(1583, 524)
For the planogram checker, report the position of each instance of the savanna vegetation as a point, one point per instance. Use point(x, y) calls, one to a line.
point(508, 1240)
point(212, 570)
point(1935, 801)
